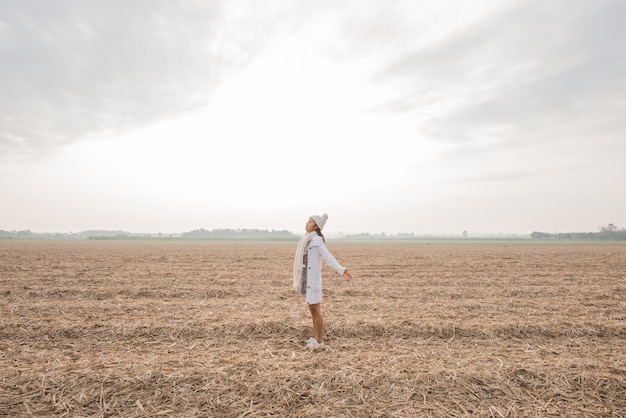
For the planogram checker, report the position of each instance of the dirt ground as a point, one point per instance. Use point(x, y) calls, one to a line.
point(189, 329)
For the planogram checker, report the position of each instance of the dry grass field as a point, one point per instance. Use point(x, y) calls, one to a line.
point(190, 329)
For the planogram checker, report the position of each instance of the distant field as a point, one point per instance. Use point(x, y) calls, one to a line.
point(186, 329)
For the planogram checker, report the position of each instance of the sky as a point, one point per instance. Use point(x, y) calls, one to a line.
point(391, 117)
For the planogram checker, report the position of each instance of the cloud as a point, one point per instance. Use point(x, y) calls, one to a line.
point(521, 90)
point(73, 69)
point(521, 67)
point(78, 69)
point(488, 81)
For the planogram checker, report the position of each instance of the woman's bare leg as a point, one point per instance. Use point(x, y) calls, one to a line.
point(318, 321)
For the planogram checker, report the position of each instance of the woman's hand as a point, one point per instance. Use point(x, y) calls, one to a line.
point(346, 275)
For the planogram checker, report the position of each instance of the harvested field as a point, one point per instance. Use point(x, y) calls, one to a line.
point(186, 329)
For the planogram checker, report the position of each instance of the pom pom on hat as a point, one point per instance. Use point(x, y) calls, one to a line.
point(320, 221)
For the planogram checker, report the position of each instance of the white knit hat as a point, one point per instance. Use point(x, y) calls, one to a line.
point(320, 221)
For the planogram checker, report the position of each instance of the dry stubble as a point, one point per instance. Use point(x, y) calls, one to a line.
point(115, 328)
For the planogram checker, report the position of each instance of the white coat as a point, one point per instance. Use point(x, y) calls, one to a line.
point(316, 252)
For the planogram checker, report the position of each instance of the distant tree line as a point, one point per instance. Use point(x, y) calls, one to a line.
point(28, 234)
point(243, 233)
point(217, 234)
point(606, 233)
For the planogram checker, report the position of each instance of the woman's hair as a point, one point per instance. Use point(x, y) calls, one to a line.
point(319, 232)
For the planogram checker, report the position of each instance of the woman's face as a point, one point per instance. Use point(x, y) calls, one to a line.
point(310, 225)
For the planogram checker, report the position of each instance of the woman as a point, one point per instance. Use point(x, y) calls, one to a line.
point(307, 273)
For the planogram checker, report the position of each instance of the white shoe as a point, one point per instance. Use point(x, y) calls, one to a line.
point(313, 344)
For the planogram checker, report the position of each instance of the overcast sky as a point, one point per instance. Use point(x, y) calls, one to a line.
point(390, 116)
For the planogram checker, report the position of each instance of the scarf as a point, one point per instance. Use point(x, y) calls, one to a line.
point(297, 261)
